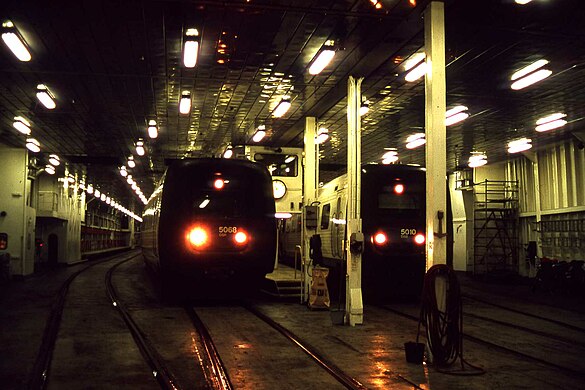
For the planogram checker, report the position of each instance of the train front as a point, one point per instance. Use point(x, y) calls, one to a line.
point(393, 214)
point(217, 223)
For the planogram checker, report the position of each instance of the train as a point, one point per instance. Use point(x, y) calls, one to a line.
point(393, 213)
point(210, 226)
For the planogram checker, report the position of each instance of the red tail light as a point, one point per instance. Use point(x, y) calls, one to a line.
point(241, 238)
point(198, 237)
point(419, 239)
point(218, 184)
point(380, 238)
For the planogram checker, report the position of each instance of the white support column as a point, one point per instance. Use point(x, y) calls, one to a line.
point(309, 188)
point(354, 305)
point(436, 149)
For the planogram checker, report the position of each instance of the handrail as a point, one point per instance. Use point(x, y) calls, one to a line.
point(302, 271)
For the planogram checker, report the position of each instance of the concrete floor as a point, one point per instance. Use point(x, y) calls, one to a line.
point(94, 350)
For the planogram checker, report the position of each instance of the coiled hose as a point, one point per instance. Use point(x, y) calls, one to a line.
point(444, 324)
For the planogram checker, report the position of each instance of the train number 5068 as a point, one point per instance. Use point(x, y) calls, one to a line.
point(228, 229)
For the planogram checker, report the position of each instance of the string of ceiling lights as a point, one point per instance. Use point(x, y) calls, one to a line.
point(19, 47)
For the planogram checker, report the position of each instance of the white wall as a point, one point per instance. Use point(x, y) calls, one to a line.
point(19, 222)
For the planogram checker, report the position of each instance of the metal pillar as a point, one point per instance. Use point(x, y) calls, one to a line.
point(354, 304)
point(436, 149)
point(309, 189)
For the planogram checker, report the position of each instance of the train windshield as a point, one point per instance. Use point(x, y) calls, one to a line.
point(226, 204)
point(389, 200)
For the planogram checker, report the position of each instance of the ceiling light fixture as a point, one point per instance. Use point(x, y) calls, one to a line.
point(477, 159)
point(140, 148)
point(152, 129)
point(123, 171)
point(376, 3)
point(229, 152)
point(550, 122)
point(259, 134)
point(519, 145)
point(45, 96)
point(185, 103)
point(525, 76)
point(15, 42)
point(21, 125)
point(50, 169)
point(322, 136)
point(391, 156)
point(364, 108)
point(54, 160)
point(522, 2)
point(455, 115)
point(415, 140)
point(33, 145)
point(131, 162)
point(416, 67)
point(323, 57)
point(190, 47)
point(281, 108)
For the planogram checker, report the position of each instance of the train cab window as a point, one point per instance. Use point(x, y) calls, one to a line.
point(389, 200)
point(325, 213)
point(279, 164)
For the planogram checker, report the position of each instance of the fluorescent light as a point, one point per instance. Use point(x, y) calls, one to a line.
point(54, 159)
point(282, 215)
point(185, 103)
point(258, 135)
point(108, 200)
point(519, 145)
point(550, 118)
point(364, 108)
point(419, 71)
point(152, 129)
point(140, 148)
point(390, 157)
point(191, 47)
point(528, 69)
point(21, 125)
point(322, 136)
point(531, 79)
point(323, 58)
point(33, 145)
point(50, 169)
point(228, 153)
point(551, 125)
point(45, 96)
point(15, 42)
point(131, 162)
point(204, 203)
point(103, 197)
point(477, 159)
point(415, 140)
point(456, 118)
point(413, 60)
point(522, 2)
point(282, 108)
point(96, 193)
point(89, 189)
point(455, 110)
point(123, 171)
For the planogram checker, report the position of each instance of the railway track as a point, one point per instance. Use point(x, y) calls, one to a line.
point(41, 369)
point(501, 346)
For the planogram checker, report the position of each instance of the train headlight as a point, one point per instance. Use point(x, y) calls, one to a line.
point(419, 239)
point(241, 238)
point(197, 237)
point(279, 188)
point(380, 238)
point(399, 189)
